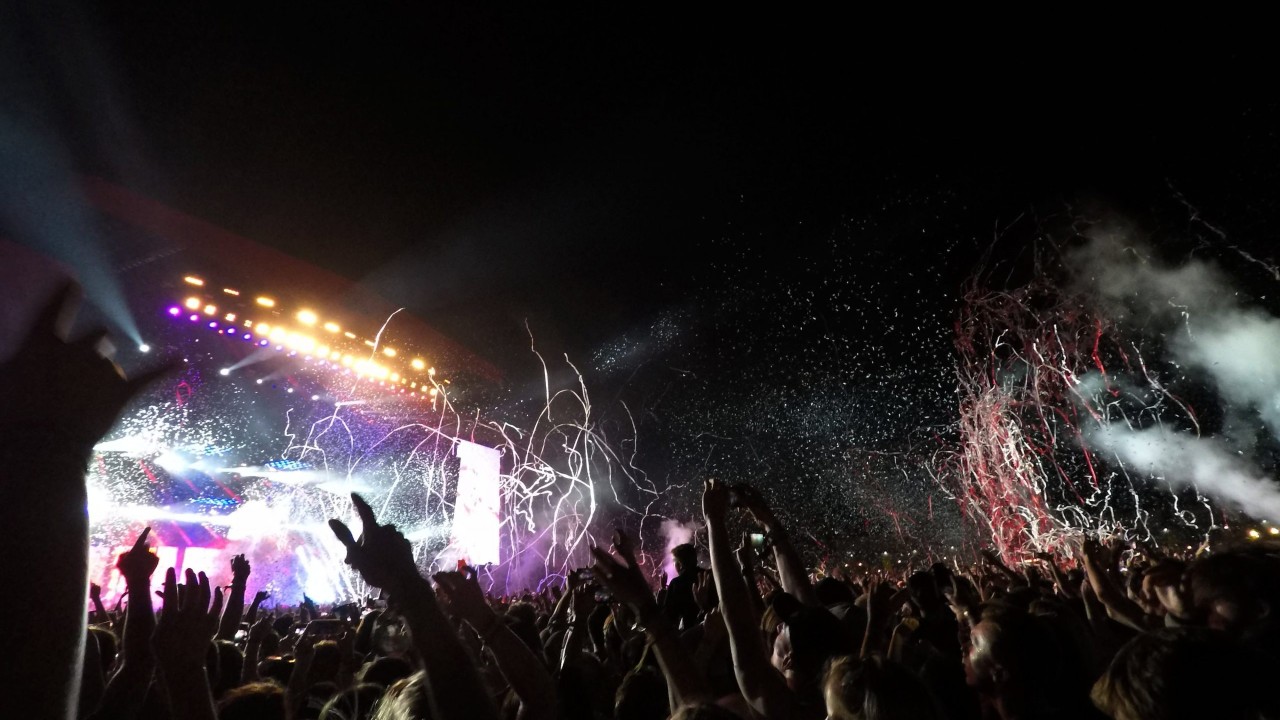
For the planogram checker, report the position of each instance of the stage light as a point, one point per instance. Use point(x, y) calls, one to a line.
point(306, 317)
point(368, 343)
point(175, 311)
point(266, 302)
point(224, 372)
point(418, 364)
point(229, 291)
point(193, 280)
point(395, 377)
point(389, 352)
point(231, 317)
point(195, 318)
point(213, 323)
point(290, 390)
point(315, 397)
point(193, 303)
point(350, 335)
point(431, 372)
point(259, 381)
point(248, 323)
point(278, 335)
point(346, 360)
point(413, 385)
point(433, 392)
point(332, 327)
point(335, 355)
point(144, 348)
point(210, 310)
point(248, 336)
point(262, 329)
point(263, 343)
point(322, 351)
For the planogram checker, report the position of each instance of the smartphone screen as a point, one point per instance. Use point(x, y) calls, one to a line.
point(757, 540)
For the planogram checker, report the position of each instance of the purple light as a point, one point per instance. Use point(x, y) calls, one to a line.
point(195, 318)
point(213, 324)
point(231, 331)
point(248, 336)
point(279, 347)
point(175, 311)
point(263, 343)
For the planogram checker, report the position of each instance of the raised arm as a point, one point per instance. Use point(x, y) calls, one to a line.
point(57, 398)
point(181, 644)
point(527, 674)
point(1119, 607)
point(385, 560)
point(128, 687)
point(623, 577)
point(791, 571)
point(231, 615)
point(761, 685)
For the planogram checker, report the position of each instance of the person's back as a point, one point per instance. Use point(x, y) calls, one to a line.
point(679, 605)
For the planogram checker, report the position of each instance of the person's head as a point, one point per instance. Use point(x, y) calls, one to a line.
point(808, 639)
point(641, 696)
point(230, 663)
point(354, 703)
point(106, 647)
point(923, 587)
point(1235, 591)
point(686, 558)
point(324, 666)
point(385, 671)
point(407, 699)
point(255, 701)
point(876, 689)
point(831, 591)
point(1177, 673)
point(1018, 658)
point(276, 669)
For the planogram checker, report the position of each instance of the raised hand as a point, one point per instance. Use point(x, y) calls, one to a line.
point(139, 562)
point(465, 599)
point(754, 503)
point(239, 568)
point(624, 579)
point(187, 623)
point(715, 499)
point(71, 387)
point(704, 591)
point(381, 555)
point(95, 593)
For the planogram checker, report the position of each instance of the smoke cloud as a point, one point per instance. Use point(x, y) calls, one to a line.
point(1208, 329)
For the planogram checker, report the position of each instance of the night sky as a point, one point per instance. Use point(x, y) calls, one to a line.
point(752, 227)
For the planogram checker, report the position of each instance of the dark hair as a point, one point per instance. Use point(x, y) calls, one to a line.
point(831, 591)
point(641, 696)
point(385, 671)
point(816, 637)
point(876, 688)
point(230, 664)
point(255, 701)
point(276, 668)
point(687, 554)
point(1176, 673)
point(354, 703)
point(107, 647)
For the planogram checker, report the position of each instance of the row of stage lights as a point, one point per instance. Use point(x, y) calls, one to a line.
point(266, 333)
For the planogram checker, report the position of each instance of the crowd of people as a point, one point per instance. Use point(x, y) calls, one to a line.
point(1116, 631)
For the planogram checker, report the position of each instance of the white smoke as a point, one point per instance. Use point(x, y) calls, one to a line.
point(1210, 330)
point(676, 533)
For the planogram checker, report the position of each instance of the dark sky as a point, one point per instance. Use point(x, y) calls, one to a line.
point(570, 166)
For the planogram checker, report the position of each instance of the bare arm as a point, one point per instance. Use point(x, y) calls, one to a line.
point(384, 558)
point(761, 685)
point(1119, 607)
point(791, 572)
point(235, 599)
point(526, 672)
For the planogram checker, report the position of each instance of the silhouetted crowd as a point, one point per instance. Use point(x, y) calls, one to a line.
point(1101, 629)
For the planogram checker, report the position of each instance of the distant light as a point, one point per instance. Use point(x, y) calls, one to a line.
point(431, 371)
point(229, 291)
point(389, 352)
point(413, 385)
point(230, 330)
point(395, 377)
point(289, 390)
point(418, 364)
point(332, 327)
point(248, 336)
point(231, 317)
point(195, 318)
point(1274, 530)
point(1254, 534)
point(144, 348)
point(193, 280)
point(193, 303)
point(175, 311)
point(278, 334)
point(266, 302)
point(335, 355)
point(213, 324)
point(224, 372)
point(259, 381)
point(322, 351)
point(346, 360)
point(350, 335)
point(368, 343)
point(432, 392)
point(262, 329)
point(315, 397)
point(210, 309)
point(263, 343)
point(248, 323)
point(306, 317)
